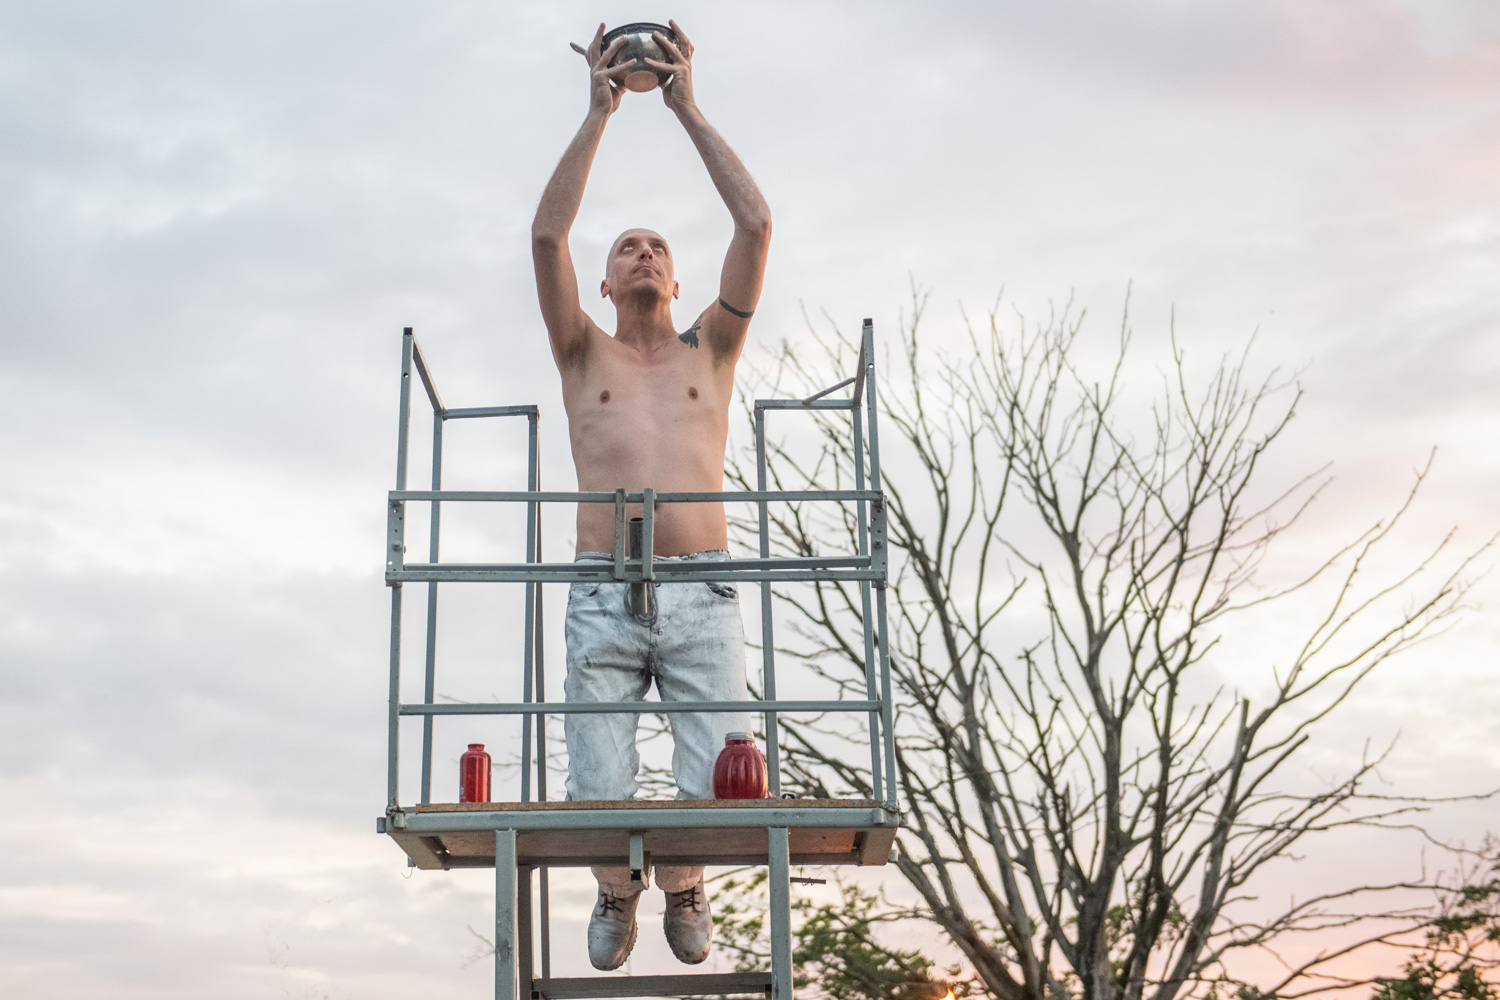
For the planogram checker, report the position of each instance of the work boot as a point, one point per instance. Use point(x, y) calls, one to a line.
point(689, 925)
point(612, 929)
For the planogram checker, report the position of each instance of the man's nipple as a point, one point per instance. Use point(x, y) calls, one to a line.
point(692, 392)
point(604, 396)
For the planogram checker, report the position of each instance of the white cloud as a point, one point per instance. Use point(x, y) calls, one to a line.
point(215, 219)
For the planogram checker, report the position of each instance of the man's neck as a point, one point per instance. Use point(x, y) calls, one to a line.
point(644, 326)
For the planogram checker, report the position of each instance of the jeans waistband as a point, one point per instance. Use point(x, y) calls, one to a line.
point(708, 555)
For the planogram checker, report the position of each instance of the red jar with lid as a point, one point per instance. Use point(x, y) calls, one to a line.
point(740, 771)
point(474, 774)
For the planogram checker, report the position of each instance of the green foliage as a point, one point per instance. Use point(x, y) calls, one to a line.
point(1461, 950)
point(1121, 924)
point(1426, 979)
point(835, 952)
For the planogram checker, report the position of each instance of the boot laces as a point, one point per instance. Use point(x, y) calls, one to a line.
point(608, 903)
point(688, 898)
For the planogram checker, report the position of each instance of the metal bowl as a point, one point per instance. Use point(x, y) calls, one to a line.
point(640, 46)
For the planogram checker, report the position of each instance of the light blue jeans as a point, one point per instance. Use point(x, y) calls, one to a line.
point(693, 649)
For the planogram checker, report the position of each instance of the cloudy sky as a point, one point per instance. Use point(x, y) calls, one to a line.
point(215, 218)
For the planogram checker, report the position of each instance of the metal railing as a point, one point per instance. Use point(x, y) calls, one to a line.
point(867, 567)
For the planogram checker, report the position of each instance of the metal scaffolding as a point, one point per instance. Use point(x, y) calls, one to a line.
point(533, 834)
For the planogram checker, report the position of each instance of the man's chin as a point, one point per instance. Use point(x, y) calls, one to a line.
point(647, 295)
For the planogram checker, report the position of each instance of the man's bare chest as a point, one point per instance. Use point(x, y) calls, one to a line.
point(620, 383)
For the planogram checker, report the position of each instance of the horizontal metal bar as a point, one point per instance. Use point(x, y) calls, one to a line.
point(612, 707)
point(556, 496)
point(706, 569)
point(465, 412)
point(644, 819)
point(543, 572)
point(804, 404)
point(594, 569)
point(700, 984)
point(452, 861)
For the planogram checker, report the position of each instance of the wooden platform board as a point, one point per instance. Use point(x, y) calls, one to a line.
point(600, 843)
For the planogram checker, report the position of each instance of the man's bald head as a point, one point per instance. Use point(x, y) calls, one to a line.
point(639, 264)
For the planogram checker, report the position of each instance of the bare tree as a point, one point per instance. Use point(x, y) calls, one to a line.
point(1074, 576)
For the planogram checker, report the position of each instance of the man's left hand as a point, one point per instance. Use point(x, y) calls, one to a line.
point(678, 92)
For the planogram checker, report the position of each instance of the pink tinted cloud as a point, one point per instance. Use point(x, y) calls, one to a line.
point(1324, 53)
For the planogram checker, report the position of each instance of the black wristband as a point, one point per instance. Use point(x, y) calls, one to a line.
point(735, 312)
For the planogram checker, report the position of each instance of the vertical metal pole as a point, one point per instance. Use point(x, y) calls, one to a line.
point(540, 669)
point(781, 913)
point(648, 532)
point(429, 686)
point(862, 513)
point(505, 916)
point(546, 916)
point(534, 554)
point(393, 720)
point(544, 908)
point(642, 595)
point(524, 971)
point(871, 413)
point(528, 658)
point(620, 534)
point(406, 348)
point(886, 708)
point(767, 639)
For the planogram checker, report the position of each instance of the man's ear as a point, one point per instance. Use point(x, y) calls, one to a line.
point(675, 289)
point(604, 289)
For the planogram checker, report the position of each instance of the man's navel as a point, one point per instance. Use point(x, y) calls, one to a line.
point(604, 396)
point(692, 392)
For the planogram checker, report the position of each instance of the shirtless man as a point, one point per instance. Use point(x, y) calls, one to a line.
point(649, 407)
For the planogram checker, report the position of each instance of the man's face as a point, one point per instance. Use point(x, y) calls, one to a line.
point(639, 267)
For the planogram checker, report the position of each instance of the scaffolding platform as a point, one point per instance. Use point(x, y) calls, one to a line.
point(571, 834)
point(522, 840)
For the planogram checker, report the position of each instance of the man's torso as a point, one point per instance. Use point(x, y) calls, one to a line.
point(656, 419)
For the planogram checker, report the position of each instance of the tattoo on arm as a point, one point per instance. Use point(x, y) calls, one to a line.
point(735, 312)
point(691, 337)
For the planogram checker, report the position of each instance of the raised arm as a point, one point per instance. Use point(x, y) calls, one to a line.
point(556, 281)
point(727, 321)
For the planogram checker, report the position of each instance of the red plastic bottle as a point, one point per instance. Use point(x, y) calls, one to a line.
point(474, 774)
point(740, 771)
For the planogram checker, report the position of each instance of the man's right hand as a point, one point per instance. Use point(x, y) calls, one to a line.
point(605, 89)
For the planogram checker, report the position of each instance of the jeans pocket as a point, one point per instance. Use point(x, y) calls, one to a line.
point(582, 591)
point(727, 591)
